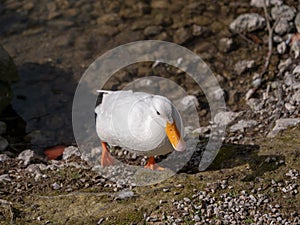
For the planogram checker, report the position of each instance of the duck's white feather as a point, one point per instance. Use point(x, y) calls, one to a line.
point(124, 119)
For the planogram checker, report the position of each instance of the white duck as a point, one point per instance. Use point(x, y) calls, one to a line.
point(139, 122)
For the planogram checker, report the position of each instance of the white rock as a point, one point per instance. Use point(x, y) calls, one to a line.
point(27, 156)
point(260, 3)
point(248, 22)
point(281, 48)
point(224, 118)
point(283, 26)
point(243, 65)
point(282, 124)
point(283, 11)
point(242, 124)
point(70, 151)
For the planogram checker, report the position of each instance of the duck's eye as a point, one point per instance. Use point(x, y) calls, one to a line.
point(158, 113)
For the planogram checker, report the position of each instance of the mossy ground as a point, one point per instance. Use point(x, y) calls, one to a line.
point(241, 165)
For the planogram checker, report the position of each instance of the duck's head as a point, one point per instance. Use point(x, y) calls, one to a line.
point(165, 114)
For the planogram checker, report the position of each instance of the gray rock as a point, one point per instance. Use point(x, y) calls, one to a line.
point(225, 44)
point(4, 157)
point(296, 71)
point(281, 48)
point(71, 151)
point(283, 11)
point(297, 22)
point(2, 127)
point(55, 186)
point(283, 26)
point(248, 22)
point(182, 35)
point(27, 156)
point(112, 19)
point(3, 144)
point(152, 30)
point(260, 3)
point(124, 194)
point(282, 124)
point(244, 65)
point(242, 124)
point(296, 98)
point(224, 118)
point(255, 104)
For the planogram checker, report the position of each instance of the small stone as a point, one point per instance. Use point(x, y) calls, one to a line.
point(225, 45)
point(166, 189)
point(124, 194)
point(152, 30)
point(186, 199)
point(182, 35)
point(27, 156)
point(256, 83)
point(283, 11)
point(283, 26)
point(196, 218)
point(4, 157)
point(244, 65)
point(71, 151)
point(282, 124)
point(248, 22)
point(242, 124)
point(281, 48)
point(224, 118)
point(3, 144)
point(55, 186)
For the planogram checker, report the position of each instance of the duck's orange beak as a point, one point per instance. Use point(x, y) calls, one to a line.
point(174, 137)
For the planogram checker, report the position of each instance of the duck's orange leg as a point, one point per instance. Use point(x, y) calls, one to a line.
point(151, 164)
point(106, 158)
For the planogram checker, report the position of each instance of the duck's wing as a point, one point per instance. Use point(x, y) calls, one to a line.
point(123, 119)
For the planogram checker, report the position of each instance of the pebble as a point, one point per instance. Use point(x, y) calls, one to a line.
point(71, 151)
point(224, 118)
point(283, 11)
point(281, 48)
point(152, 30)
point(248, 22)
point(243, 66)
point(182, 35)
point(282, 124)
point(283, 26)
point(242, 124)
point(4, 157)
point(55, 186)
point(27, 156)
point(225, 45)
